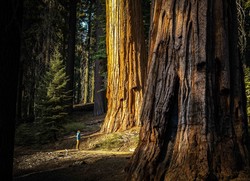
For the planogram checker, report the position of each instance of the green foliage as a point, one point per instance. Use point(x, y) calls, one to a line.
point(111, 141)
point(115, 141)
point(44, 27)
point(247, 85)
point(247, 31)
point(73, 127)
point(101, 49)
point(247, 4)
point(100, 31)
point(51, 100)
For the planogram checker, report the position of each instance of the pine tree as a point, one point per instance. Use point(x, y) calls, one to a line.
point(51, 100)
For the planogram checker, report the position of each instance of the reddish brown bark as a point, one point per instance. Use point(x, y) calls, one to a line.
point(193, 122)
point(126, 64)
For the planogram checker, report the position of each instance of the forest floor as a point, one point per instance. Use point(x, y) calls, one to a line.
point(102, 157)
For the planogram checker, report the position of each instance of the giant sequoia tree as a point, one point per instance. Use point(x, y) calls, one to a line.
point(193, 114)
point(126, 64)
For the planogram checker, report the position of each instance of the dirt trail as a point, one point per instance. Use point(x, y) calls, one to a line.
point(60, 162)
point(74, 165)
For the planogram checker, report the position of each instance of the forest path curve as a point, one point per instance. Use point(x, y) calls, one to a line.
point(72, 165)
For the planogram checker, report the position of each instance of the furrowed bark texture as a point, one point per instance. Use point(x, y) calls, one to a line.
point(126, 64)
point(193, 122)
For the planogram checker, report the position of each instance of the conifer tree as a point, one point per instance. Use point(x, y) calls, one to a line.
point(51, 100)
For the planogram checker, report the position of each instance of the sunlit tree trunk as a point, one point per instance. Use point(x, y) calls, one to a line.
point(126, 64)
point(86, 82)
point(193, 116)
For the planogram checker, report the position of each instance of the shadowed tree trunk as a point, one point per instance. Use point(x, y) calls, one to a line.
point(71, 51)
point(126, 64)
point(100, 98)
point(193, 116)
point(10, 56)
point(87, 88)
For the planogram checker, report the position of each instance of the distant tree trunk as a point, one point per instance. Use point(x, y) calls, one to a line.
point(193, 116)
point(78, 84)
point(10, 56)
point(92, 83)
point(19, 93)
point(87, 65)
point(126, 64)
point(99, 96)
point(71, 50)
point(86, 82)
point(100, 99)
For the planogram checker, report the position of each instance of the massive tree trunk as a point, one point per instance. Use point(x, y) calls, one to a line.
point(71, 51)
point(10, 56)
point(193, 116)
point(126, 64)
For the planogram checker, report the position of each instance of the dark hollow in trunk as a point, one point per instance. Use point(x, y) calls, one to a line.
point(193, 120)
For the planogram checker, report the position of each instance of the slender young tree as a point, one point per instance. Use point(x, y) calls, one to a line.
point(126, 64)
point(43, 28)
point(193, 115)
point(52, 98)
point(87, 84)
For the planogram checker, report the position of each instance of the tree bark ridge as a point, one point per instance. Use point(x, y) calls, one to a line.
point(193, 121)
point(126, 64)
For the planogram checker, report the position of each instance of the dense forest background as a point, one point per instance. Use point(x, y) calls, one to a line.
point(63, 64)
point(56, 26)
point(55, 78)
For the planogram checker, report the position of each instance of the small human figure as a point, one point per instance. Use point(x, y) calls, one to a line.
point(78, 137)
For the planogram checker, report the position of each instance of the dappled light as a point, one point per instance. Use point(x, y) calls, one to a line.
point(103, 152)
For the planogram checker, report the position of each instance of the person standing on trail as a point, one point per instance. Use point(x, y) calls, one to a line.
point(78, 137)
